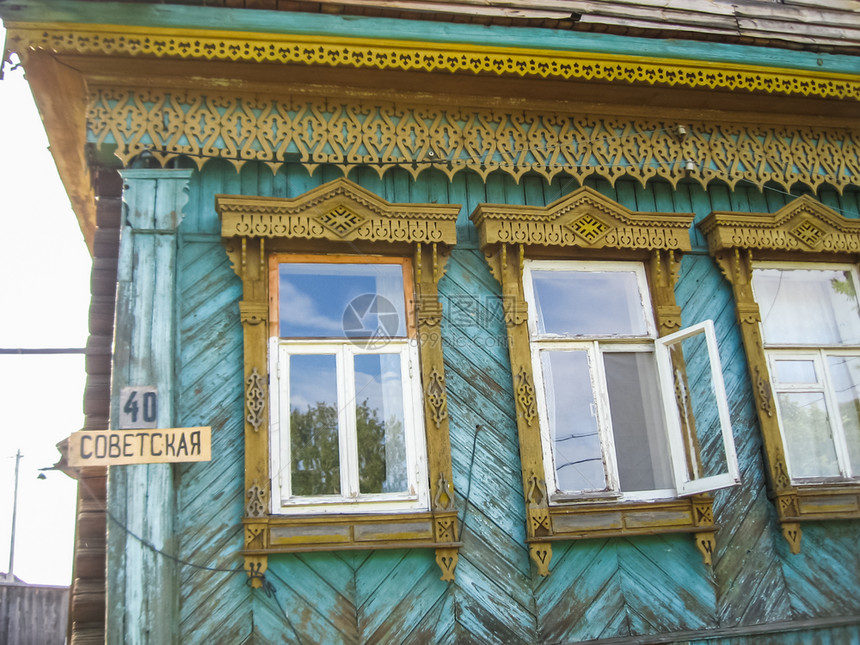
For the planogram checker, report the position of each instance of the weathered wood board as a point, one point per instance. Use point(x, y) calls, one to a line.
point(600, 588)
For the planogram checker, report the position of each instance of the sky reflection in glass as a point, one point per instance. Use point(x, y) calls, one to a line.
point(589, 303)
point(339, 300)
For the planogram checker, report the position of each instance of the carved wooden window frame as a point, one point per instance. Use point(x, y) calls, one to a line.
point(585, 225)
point(804, 230)
point(254, 228)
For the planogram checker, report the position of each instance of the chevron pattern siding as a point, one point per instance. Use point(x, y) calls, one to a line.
point(600, 588)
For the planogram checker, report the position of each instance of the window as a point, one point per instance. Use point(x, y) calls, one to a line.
point(347, 424)
point(794, 281)
point(604, 429)
point(810, 318)
point(621, 418)
point(346, 418)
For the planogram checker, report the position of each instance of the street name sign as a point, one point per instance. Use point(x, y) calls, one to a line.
point(144, 446)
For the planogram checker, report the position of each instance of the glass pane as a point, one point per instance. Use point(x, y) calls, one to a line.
point(589, 303)
point(572, 421)
point(807, 306)
point(380, 424)
point(641, 451)
point(845, 373)
point(696, 399)
point(341, 300)
point(794, 371)
point(807, 435)
point(314, 449)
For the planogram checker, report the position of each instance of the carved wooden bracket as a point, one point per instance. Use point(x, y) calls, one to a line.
point(541, 554)
point(706, 543)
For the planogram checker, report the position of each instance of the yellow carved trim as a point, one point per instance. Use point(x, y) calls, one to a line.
point(447, 561)
point(706, 543)
point(350, 133)
point(307, 217)
point(807, 229)
point(206, 45)
point(703, 511)
point(541, 553)
point(584, 220)
point(255, 567)
point(805, 225)
point(343, 216)
point(792, 533)
point(556, 225)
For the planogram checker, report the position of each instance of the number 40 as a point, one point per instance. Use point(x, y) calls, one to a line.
point(150, 406)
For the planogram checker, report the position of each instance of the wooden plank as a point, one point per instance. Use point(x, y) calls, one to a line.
point(654, 583)
point(837, 5)
point(406, 593)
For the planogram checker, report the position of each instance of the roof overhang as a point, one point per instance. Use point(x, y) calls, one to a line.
point(65, 60)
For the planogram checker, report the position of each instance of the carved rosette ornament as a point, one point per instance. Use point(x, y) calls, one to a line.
point(343, 218)
point(803, 230)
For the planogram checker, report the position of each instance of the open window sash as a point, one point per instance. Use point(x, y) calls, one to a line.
point(695, 404)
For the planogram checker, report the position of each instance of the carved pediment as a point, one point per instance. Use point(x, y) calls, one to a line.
point(804, 225)
point(583, 219)
point(339, 211)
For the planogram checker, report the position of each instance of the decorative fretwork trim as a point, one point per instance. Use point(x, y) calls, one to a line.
point(321, 50)
point(804, 225)
point(350, 133)
point(554, 225)
point(585, 220)
point(307, 217)
point(804, 228)
point(253, 229)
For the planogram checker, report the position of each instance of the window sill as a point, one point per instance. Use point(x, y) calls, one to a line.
point(822, 502)
point(273, 534)
point(590, 520)
point(408, 505)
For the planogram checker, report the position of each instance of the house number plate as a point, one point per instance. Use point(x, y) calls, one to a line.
point(138, 407)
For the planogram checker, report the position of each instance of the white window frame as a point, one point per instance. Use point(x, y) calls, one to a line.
point(417, 498)
point(596, 346)
point(685, 484)
point(818, 354)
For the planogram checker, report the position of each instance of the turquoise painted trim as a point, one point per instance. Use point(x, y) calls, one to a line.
point(280, 22)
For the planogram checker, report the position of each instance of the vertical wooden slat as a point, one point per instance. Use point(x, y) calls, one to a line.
point(143, 589)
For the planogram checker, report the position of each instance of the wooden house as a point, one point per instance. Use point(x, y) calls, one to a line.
point(517, 321)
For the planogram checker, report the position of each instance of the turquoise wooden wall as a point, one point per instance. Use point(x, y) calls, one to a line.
point(601, 588)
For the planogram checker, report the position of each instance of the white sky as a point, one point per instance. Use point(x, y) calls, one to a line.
point(44, 301)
